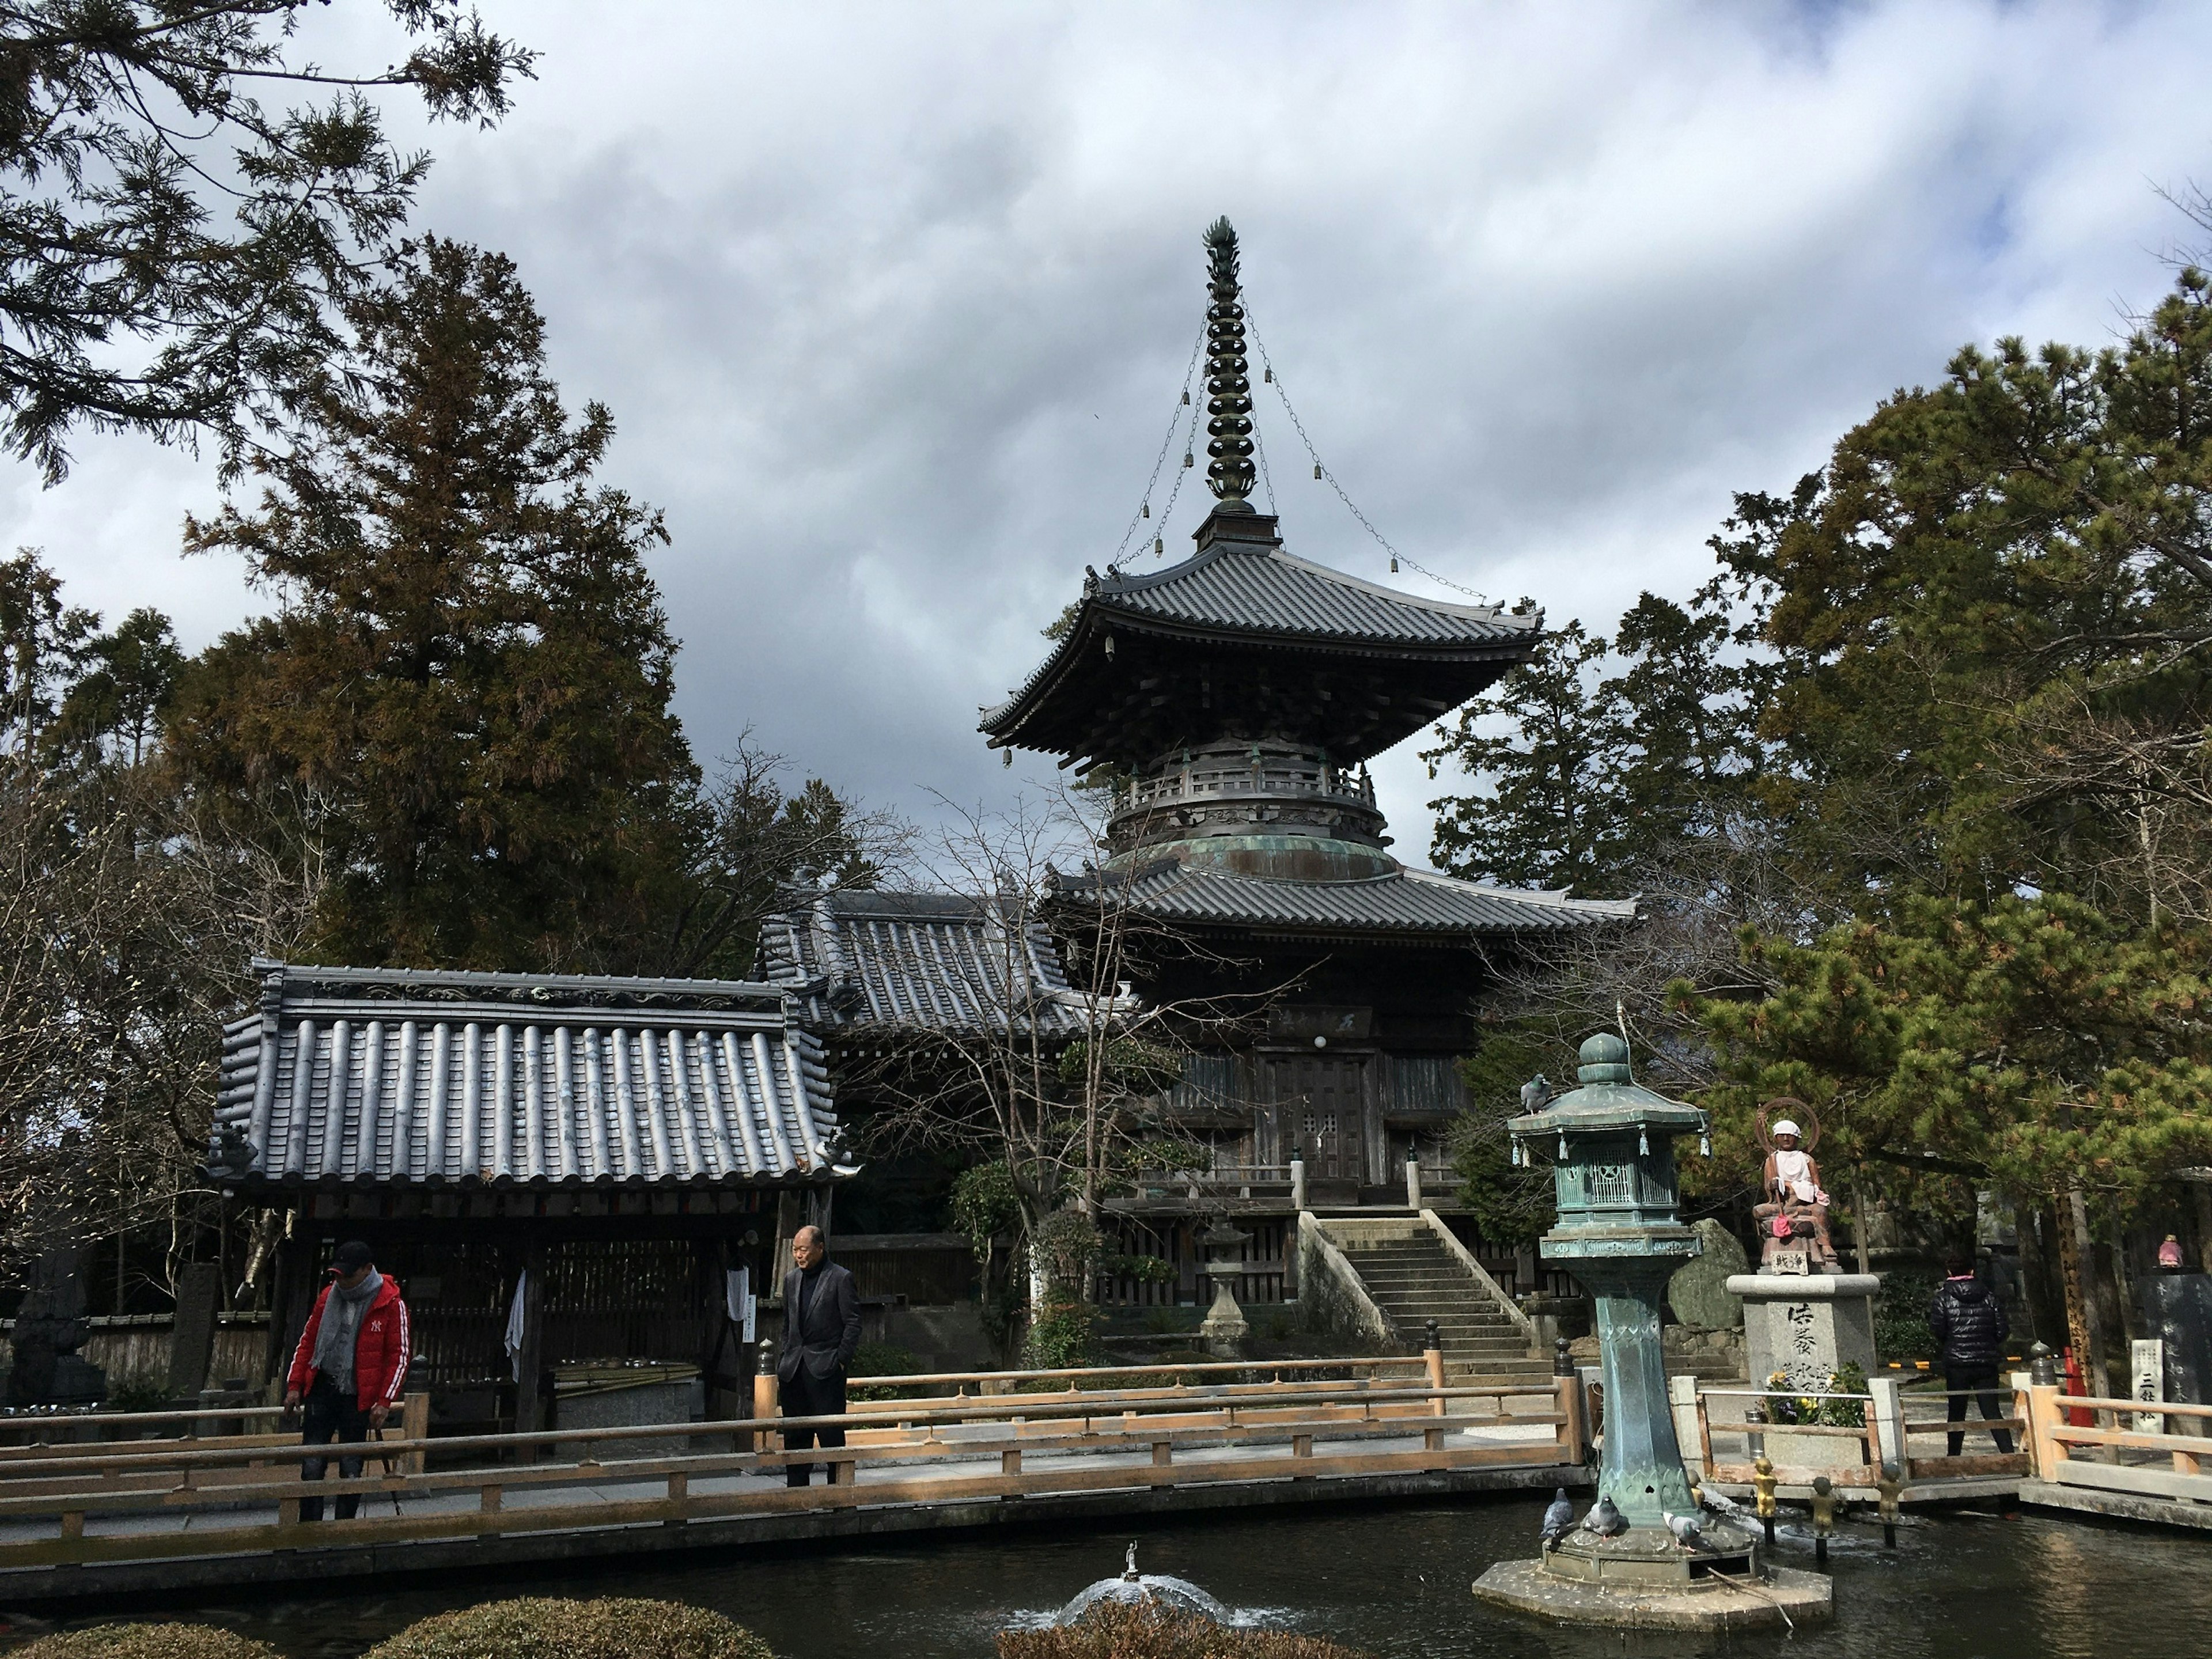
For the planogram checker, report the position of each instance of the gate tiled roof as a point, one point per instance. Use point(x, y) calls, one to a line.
point(378, 1077)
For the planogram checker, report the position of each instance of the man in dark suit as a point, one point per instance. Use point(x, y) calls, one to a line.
point(821, 1334)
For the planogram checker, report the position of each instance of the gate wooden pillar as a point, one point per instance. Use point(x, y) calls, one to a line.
point(292, 1298)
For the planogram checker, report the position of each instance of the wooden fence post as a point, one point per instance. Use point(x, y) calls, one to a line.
point(1885, 1413)
point(2042, 1416)
point(764, 1392)
point(415, 1424)
point(1433, 1357)
point(1572, 1440)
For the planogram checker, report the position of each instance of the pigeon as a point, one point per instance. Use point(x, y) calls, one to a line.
point(1604, 1519)
point(1718, 1503)
point(1558, 1519)
point(1685, 1529)
point(1536, 1093)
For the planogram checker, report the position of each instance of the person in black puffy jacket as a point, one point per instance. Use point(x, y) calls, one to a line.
point(1971, 1326)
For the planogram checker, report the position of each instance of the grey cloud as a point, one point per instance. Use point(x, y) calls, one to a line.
point(891, 304)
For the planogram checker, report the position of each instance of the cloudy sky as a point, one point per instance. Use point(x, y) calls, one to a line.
point(892, 301)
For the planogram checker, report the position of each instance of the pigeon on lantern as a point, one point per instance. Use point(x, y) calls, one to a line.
point(1558, 1520)
point(1605, 1520)
point(1685, 1529)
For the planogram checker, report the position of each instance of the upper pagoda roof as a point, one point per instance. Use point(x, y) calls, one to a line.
point(1182, 655)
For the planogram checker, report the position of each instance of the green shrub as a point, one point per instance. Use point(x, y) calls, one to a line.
point(1065, 1332)
point(548, 1627)
point(141, 1392)
point(1900, 1315)
point(1145, 1630)
point(884, 1359)
point(147, 1642)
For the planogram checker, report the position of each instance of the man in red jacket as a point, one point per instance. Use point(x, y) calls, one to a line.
point(351, 1362)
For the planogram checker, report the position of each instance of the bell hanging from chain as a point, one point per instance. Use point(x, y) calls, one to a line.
point(1187, 460)
point(1270, 376)
point(1562, 1146)
point(1642, 1144)
point(1146, 511)
point(1006, 757)
point(1186, 396)
point(1515, 1159)
point(1393, 564)
point(1704, 1143)
point(1317, 468)
point(1159, 545)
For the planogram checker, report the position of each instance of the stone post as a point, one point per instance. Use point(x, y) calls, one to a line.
point(1297, 1181)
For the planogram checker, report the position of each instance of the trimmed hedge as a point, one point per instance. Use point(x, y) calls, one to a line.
point(1146, 1630)
point(147, 1642)
point(550, 1627)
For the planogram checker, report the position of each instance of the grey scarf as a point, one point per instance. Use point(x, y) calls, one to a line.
point(341, 1329)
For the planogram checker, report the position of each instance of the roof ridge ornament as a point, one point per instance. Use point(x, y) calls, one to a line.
point(1228, 385)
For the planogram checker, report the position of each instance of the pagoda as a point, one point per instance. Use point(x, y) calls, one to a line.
point(1233, 701)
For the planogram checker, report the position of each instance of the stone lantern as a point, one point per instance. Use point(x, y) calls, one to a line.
point(1225, 1325)
point(1612, 1147)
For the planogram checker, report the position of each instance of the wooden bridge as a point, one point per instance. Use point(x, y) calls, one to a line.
point(178, 1506)
point(2132, 1459)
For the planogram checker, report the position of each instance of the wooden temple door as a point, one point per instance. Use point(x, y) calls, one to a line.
point(1322, 1098)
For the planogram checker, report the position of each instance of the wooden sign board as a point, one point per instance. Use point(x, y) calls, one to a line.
point(2147, 1382)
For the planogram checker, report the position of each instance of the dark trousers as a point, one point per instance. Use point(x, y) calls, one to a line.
point(801, 1395)
point(331, 1415)
point(1984, 1378)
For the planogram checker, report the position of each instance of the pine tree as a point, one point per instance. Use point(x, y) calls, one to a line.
point(470, 669)
point(1551, 815)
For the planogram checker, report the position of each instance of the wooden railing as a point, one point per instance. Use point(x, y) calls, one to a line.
point(89, 1503)
point(2066, 1453)
point(1849, 1454)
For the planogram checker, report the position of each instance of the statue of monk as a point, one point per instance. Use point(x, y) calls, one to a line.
point(1793, 1190)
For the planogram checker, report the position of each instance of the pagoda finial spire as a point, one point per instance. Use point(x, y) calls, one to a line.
point(1227, 387)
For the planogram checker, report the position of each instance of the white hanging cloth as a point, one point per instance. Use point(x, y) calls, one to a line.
point(514, 1325)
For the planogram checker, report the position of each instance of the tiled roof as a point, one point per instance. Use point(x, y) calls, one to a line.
point(1419, 903)
point(938, 961)
point(1249, 590)
point(394, 1077)
point(1242, 586)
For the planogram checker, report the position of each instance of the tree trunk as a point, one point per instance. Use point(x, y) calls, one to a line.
point(2078, 1258)
point(2037, 1229)
point(2203, 1192)
point(1859, 1213)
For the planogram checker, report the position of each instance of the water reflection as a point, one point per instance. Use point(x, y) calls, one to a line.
point(1393, 1582)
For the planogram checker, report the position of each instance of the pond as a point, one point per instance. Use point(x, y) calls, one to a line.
point(1392, 1581)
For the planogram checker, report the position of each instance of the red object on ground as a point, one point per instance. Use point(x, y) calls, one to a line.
point(2077, 1416)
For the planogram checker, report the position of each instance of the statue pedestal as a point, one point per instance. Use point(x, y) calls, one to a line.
point(1805, 1326)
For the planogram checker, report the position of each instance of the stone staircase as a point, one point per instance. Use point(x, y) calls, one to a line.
point(1413, 1276)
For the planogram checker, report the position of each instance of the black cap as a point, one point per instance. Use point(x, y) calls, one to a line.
point(353, 1255)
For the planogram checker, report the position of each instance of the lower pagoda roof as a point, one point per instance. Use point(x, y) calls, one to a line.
point(1406, 906)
